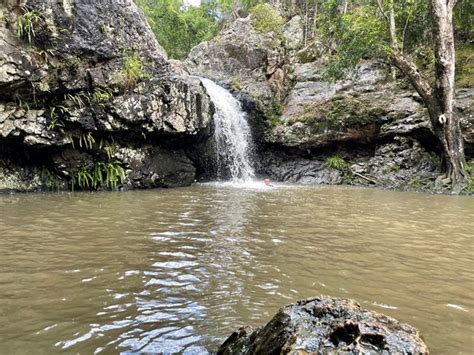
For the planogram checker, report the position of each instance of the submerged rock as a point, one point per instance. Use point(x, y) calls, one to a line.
point(325, 325)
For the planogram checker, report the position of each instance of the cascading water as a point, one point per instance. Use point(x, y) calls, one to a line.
point(231, 134)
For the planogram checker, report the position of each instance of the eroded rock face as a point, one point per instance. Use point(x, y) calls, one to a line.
point(244, 60)
point(326, 325)
point(93, 79)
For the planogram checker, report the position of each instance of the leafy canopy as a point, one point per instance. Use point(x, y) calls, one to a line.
point(361, 31)
point(178, 27)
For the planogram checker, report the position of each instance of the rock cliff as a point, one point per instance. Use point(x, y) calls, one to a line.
point(88, 97)
point(369, 130)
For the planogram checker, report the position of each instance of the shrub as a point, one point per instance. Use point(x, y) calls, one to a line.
point(266, 18)
point(336, 162)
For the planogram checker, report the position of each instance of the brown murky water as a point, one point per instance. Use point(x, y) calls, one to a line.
point(179, 270)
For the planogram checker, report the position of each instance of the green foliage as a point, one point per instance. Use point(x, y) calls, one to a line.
point(79, 99)
point(45, 54)
point(107, 148)
point(100, 175)
point(86, 140)
point(97, 96)
point(26, 24)
point(336, 162)
point(435, 159)
point(465, 65)
point(469, 189)
point(265, 18)
point(395, 168)
point(74, 62)
point(82, 177)
point(464, 20)
point(417, 183)
point(133, 71)
point(55, 113)
point(179, 27)
point(359, 33)
point(101, 96)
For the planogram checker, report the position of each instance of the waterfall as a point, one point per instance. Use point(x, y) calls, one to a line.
point(232, 135)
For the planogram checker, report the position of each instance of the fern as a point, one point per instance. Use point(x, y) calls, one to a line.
point(26, 24)
point(102, 175)
point(54, 115)
point(87, 141)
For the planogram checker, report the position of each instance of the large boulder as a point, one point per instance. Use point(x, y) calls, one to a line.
point(90, 76)
point(326, 325)
point(293, 33)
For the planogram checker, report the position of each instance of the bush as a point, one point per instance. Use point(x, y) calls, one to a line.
point(336, 162)
point(266, 18)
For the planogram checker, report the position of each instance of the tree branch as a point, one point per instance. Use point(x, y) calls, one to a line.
point(419, 82)
point(380, 6)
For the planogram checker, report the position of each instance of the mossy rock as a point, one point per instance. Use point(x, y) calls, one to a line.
point(337, 114)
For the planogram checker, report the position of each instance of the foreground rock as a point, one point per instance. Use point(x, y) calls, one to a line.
point(85, 87)
point(326, 325)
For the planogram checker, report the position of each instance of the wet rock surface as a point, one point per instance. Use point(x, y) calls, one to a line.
point(93, 79)
point(325, 325)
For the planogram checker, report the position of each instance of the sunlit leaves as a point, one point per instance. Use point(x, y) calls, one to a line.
point(177, 27)
point(357, 34)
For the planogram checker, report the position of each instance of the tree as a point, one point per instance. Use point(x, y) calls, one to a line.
point(179, 28)
point(438, 99)
point(372, 30)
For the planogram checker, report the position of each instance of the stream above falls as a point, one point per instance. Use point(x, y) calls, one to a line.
point(178, 270)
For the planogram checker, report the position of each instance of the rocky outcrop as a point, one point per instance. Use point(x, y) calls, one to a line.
point(326, 325)
point(246, 61)
point(83, 82)
point(376, 125)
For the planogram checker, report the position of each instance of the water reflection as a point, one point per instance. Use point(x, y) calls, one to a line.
point(178, 270)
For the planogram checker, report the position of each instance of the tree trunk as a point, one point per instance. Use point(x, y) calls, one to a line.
point(443, 36)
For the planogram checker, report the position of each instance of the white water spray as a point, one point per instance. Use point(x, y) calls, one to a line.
point(231, 134)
